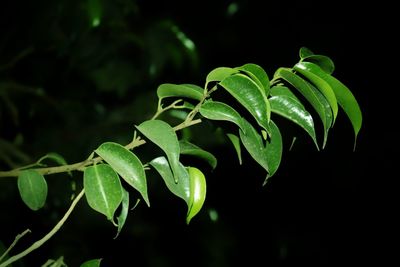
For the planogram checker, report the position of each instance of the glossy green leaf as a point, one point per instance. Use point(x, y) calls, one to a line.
point(121, 218)
point(198, 188)
point(294, 111)
point(324, 62)
point(103, 189)
point(214, 110)
point(345, 98)
point(33, 189)
point(91, 263)
point(163, 135)
point(314, 76)
point(182, 187)
point(126, 164)
point(280, 90)
point(180, 90)
point(268, 155)
point(246, 91)
point(188, 148)
point(313, 96)
point(253, 142)
point(305, 52)
point(236, 144)
point(273, 149)
point(219, 74)
point(257, 74)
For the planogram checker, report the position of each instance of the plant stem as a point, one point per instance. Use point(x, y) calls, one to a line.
point(50, 234)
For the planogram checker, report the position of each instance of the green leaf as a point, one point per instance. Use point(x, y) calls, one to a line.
point(57, 158)
point(103, 189)
point(268, 155)
point(305, 52)
point(95, 11)
point(188, 148)
point(164, 136)
point(314, 76)
point(324, 62)
point(214, 110)
point(219, 74)
point(294, 111)
point(124, 211)
point(280, 90)
point(258, 75)
point(253, 143)
point(236, 144)
point(91, 263)
point(33, 189)
point(126, 164)
point(273, 148)
point(345, 98)
point(246, 91)
point(182, 187)
point(198, 188)
point(313, 96)
point(180, 90)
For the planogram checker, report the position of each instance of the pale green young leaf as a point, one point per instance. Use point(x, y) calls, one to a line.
point(219, 74)
point(258, 75)
point(180, 90)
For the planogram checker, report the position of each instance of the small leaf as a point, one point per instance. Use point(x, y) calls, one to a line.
point(257, 74)
point(294, 111)
point(126, 164)
point(103, 189)
point(236, 144)
point(180, 90)
point(91, 263)
point(57, 158)
point(314, 76)
point(198, 188)
point(95, 11)
point(124, 211)
point(305, 52)
point(188, 148)
point(214, 110)
point(182, 187)
point(246, 91)
point(219, 74)
point(273, 148)
point(33, 189)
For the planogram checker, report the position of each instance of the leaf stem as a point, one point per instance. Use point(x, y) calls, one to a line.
point(50, 234)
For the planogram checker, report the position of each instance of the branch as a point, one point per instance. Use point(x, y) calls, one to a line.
point(50, 234)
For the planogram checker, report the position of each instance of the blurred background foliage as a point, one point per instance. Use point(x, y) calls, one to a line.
point(74, 74)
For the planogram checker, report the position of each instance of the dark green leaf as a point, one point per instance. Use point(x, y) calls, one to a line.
point(324, 62)
point(236, 144)
point(305, 52)
point(313, 96)
point(258, 75)
point(214, 110)
point(124, 211)
point(91, 263)
point(182, 187)
point(57, 158)
point(273, 149)
point(33, 189)
point(253, 143)
point(294, 111)
point(126, 164)
point(314, 76)
point(246, 91)
point(180, 90)
point(164, 136)
point(188, 148)
point(344, 96)
point(103, 189)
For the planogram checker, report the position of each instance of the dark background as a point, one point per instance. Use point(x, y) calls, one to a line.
point(66, 87)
